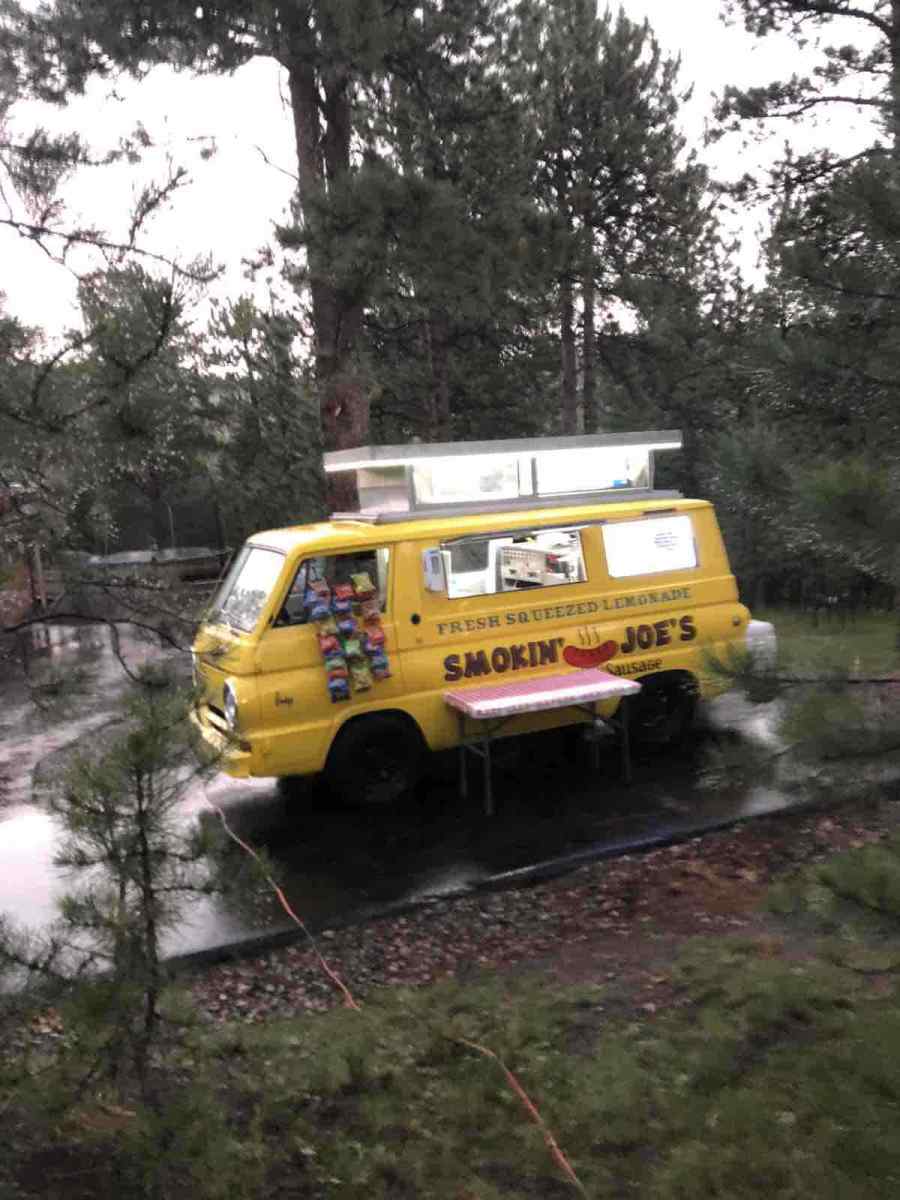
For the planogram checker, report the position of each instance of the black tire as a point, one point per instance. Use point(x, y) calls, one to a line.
point(662, 714)
point(375, 759)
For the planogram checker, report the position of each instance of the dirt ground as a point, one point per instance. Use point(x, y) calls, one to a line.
point(617, 923)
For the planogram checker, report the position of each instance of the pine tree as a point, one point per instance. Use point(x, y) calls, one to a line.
point(446, 327)
point(133, 869)
point(835, 268)
point(266, 462)
point(610, 171)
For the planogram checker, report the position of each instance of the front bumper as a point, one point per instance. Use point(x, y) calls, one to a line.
point(228, 755)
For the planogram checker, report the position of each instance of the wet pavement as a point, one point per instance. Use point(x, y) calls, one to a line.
point(340, 864)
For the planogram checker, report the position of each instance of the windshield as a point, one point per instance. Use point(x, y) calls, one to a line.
point(247, 587)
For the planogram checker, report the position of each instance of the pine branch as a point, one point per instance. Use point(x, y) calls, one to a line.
point(833, 8)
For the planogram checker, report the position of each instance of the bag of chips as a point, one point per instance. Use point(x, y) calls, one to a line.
point(343, 598)
point(363, 587)
point(339, 689)
point(353, 648)
point(327, 625)
point(318, 592)
point(329, 644)
point(346, 626)
point(335, 662)
point(360, 676)
point(370, 611)
point(374, 638)
point(379, 661)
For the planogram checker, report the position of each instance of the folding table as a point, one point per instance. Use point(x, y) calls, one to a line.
point(496, 703)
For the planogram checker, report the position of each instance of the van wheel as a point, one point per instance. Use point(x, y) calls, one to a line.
point(662, 714)
point(375, 759)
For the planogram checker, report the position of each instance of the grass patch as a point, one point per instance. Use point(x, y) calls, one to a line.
point(832, 645)
point(770, 1075)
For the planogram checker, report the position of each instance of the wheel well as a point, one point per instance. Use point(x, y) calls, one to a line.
point(663, 710)
point(361, 718)
point(376, 756)
point(664, 680)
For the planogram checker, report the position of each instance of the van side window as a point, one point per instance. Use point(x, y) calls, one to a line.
point(509, 562)
point(334, 569)
point(649, 546)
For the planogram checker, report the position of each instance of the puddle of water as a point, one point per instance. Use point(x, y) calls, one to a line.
point(29, 883)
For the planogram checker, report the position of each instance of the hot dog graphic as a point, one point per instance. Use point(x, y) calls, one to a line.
point(576, 656)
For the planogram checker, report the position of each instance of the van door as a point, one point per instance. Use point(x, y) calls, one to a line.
point(298, 715)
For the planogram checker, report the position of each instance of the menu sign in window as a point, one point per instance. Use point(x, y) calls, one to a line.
point(649, 546)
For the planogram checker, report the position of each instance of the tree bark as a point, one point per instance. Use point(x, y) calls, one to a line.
point(567, 347)
point(590, 415)
point(894, 46)
point(321, 113)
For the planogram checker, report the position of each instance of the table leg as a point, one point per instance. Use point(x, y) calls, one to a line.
point(488, 777)
point(463, 762)
point(595, 737)
point(625, 738)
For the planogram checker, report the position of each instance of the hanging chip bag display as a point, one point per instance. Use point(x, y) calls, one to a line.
point(354, 658)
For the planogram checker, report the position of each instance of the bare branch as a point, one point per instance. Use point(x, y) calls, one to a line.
point(804, 107)
point(80, 618)
point(92, 239)
point(275, 167)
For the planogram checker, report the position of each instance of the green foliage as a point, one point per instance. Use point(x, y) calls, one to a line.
point(620, 201)
point(453, 325)
point(856, 893)
point(855, 506)
point(834, 722)
point(748, 475)
point(825, 342)
point(126, 392)
point(266, 465)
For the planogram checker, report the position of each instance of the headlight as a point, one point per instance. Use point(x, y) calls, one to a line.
point(230, 706)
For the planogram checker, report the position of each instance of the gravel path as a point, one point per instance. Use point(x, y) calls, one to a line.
point(604, 921)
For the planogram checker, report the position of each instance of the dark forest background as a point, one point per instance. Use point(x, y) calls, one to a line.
point(498, 230)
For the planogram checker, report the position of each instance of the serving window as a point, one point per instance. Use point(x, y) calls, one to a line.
point(505, 562)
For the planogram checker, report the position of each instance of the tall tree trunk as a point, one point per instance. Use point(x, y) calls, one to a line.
point(591, 416)
point(894, 47)
point(159, 514)
point(439, 360)
point(567, 345)
point(322, 139)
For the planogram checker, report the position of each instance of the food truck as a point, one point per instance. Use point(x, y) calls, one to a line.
point(545, 578)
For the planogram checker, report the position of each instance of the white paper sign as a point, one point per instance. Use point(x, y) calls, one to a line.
point(649, 546)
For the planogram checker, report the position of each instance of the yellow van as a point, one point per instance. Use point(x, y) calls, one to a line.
point(331, 647)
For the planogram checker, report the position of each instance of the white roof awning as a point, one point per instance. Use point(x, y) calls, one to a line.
point(440, 475)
